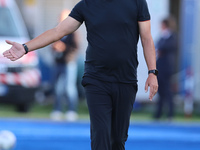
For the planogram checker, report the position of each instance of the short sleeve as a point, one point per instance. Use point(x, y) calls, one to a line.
point(76, 12)
point(143, 11)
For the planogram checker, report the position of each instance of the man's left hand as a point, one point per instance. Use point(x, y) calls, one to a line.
point(151, 82)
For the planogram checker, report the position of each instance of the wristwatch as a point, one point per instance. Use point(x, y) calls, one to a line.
point(25, 48)
point(155, 72)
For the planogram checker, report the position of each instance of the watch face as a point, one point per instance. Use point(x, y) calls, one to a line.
point(154, 72)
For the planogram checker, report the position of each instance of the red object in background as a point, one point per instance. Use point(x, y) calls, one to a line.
point(2, 3)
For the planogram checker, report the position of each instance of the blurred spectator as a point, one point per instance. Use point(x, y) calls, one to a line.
point(188, 91)
point(65, 75)
point(166, 49)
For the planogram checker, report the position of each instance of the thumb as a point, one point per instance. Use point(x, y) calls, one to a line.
point(146, 87)
point(9, 42)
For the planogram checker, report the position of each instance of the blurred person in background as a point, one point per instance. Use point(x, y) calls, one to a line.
point(110, 77)
point(166, 49)
point(188, 85)
point(65, 75)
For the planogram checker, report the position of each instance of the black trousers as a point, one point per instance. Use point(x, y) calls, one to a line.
point(110, 106)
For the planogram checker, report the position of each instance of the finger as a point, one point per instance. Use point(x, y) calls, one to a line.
point(146, 87)
point(13, 59)
point(150, 96)
point(10, 57)
point(6, 53)
point(9, 42)
point(156, 90)
point(151, 93)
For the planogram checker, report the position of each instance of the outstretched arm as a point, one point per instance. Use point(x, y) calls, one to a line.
point(150, 56)
point(66, 27)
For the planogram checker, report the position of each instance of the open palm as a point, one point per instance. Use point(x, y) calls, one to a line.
point(15, 52)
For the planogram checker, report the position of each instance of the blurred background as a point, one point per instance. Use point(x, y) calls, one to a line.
point(27, 87)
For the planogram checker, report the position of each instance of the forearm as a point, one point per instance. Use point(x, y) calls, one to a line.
point(66, 27)
point(149, 52)
point(150, 56)
point(43, 40)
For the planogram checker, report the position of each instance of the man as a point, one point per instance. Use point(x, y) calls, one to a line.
point(166, 51)
point(65, 74)
point(110, 78)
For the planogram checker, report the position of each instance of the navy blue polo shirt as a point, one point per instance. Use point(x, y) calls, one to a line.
point(112, 34)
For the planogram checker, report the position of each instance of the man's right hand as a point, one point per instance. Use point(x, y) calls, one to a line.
point(15, 52)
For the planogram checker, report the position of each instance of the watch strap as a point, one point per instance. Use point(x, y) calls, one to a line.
point(155, 72)
point(25, 48)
